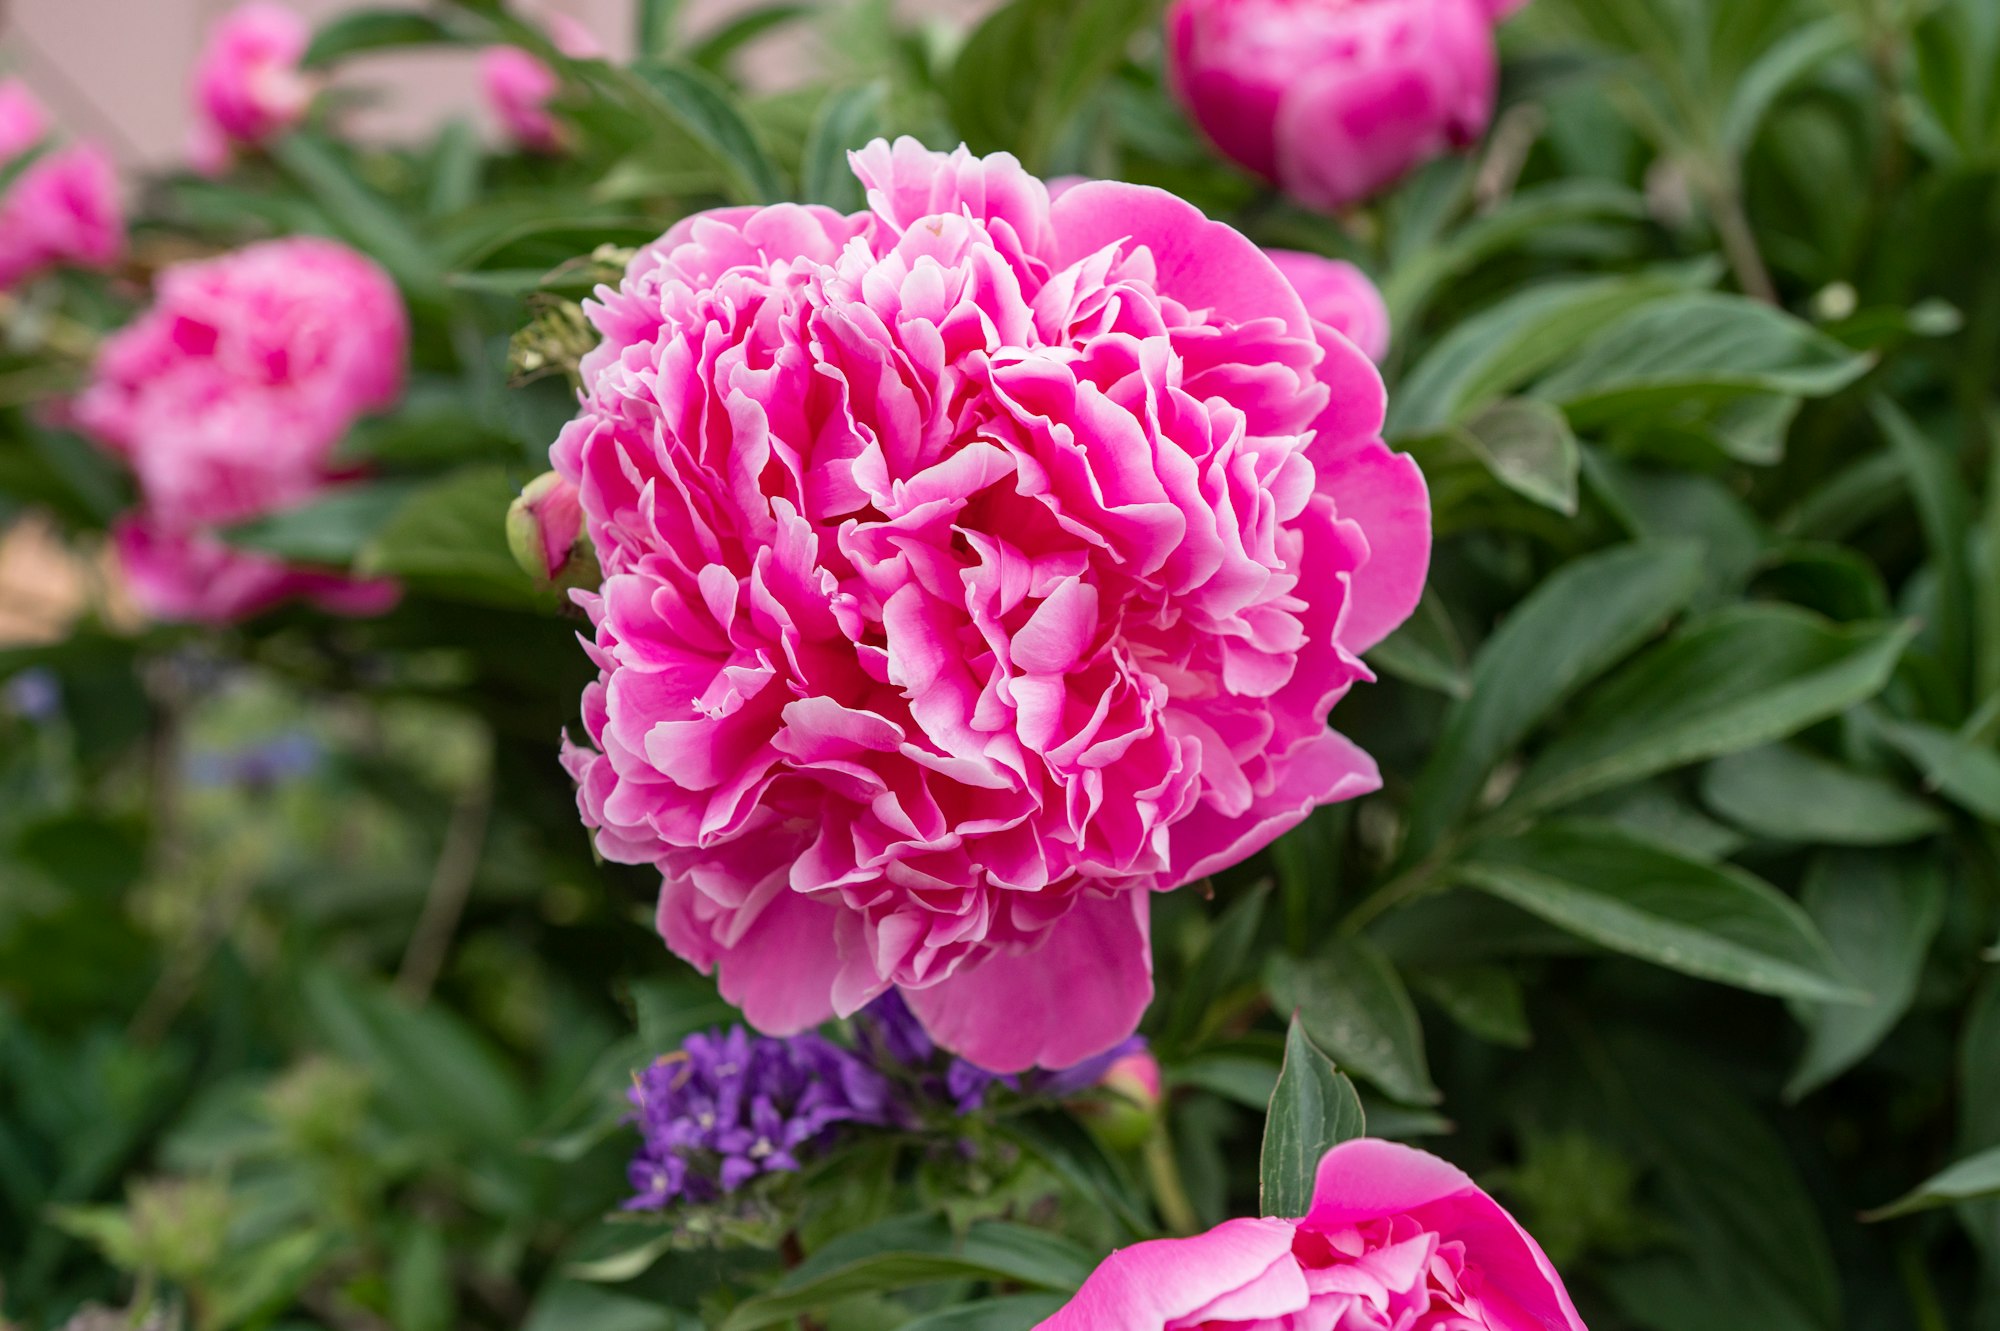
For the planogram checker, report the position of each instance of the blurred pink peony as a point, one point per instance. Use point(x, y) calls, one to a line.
point(1334, 100)
point(971, 574)
point(62, 208)
point(1340, 296)
point(228, 396)
point(1396, 1240)
point(519, 85)
point(248, 86)
point(192, 576)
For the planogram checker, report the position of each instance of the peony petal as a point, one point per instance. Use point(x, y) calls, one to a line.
point(1149, 1285)
point(1077, 993)
point(1384, 492)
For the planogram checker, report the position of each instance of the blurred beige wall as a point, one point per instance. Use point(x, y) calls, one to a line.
point(117, 70)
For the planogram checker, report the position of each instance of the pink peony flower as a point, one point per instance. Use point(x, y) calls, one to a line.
point(519, 86)
point(248, 87)
point(62, 210)
point(227, 398)
point(23, 122)
point(1396, 1240)
point(972, 572)
point(1334, 99)
point(192, 576)
point(1339, 296)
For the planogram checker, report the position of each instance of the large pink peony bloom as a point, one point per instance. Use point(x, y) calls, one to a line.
point(1334, 99)
point(972, 572)
point(520, 86)
point(1340, 296)
point(62, 208)
point(248, 86)
point(227, 398)
point(1396, 1240)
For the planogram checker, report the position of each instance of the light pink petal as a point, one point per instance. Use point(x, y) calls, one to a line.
point(1148, 1285)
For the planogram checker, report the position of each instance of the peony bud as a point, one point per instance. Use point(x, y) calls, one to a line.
point(1334, 100)
point(1127, 1107)
point(249, 87)
point(544, 526)
point(1340, 296)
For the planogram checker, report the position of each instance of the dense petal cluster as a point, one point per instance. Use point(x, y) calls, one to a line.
point(519, 85)
point(62, 208)
point(248, 84)
point(975, 566)
point(730, 1107)
point(227, 398)
point(1335, 99)
point(1396, 1240)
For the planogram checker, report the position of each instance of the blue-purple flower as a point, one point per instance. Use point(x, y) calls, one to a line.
point(731, 1107)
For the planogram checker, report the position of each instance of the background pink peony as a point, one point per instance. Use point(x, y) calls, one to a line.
point(519, 85)
point(248, 86)
point(227, 398)
point(972, 572)
point(1396, 1240)
point(1334, 100)
point(63, 207)
point(1340, 296)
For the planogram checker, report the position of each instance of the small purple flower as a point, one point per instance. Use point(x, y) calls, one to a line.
point(33, 695)
point(257, 766)
point(730, 1107)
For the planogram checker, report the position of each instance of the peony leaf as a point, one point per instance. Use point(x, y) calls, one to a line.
point(1631, 895)
point(366, 30)
point(1576, 625)
point(1485, 1000)
point(846, 120)
point(1313, 1109)
point(1741, 678)
point(703, 108)
point(911, 1251)
point(1353, 1004)
point(1966, 773)
point(1010, 1312)
point(1974, 1178)
point(1785, 793)
point(1879, 912)
point(1530, 449)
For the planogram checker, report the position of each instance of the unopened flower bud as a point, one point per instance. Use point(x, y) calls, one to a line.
point(544, 526)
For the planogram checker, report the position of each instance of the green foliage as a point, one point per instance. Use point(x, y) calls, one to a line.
point(1676, 921)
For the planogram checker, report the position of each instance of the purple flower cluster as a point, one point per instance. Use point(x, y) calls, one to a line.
point(731, 1107)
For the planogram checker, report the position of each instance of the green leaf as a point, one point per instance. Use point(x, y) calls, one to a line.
point(1485, 1000)
point(1776, 70)
point(1878, 912)
point(1530, 449)
point(1074, 1153)
point(915, 1250)
point(713, 51)
point(1741, 678)
point(1353, 1005)
point(1785, 793)
point(1223, 963)
point(1940, 497)
point(1502, 348)
point(331, 530)
point(1577, 624)
point(1698, 344)
point(1011, 1312)
point(451, 535)
point(1024, 72)
point(1426, 650)
point(847, 119)
point(364, 217)
point(1313, 1109)
point(707, 111)
point(654, 30)
point(1631, 895)
point(1971, 1179)
point(421, 1297)
point(372, 30)
point(1965, 773)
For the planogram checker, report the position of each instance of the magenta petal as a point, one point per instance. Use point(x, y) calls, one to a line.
point(1384, 492)
point(1149, 1285)
point(1202, 264)
point(798, 995)
point(1078, 993)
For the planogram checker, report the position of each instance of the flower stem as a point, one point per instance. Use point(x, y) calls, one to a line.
point(1163, 1171)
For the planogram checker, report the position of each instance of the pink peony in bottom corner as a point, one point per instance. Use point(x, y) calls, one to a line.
point(1396, 1240)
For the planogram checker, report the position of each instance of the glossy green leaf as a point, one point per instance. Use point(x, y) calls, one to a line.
point(1739, 679)
point(1579, 623)
point(1313, 1109)
point(1530, 449)
point(1786, 793)
point(1878, 911)
point(1353, 1005)
point(1634, 896)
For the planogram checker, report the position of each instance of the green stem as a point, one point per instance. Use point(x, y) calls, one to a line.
point(1163, 1171)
